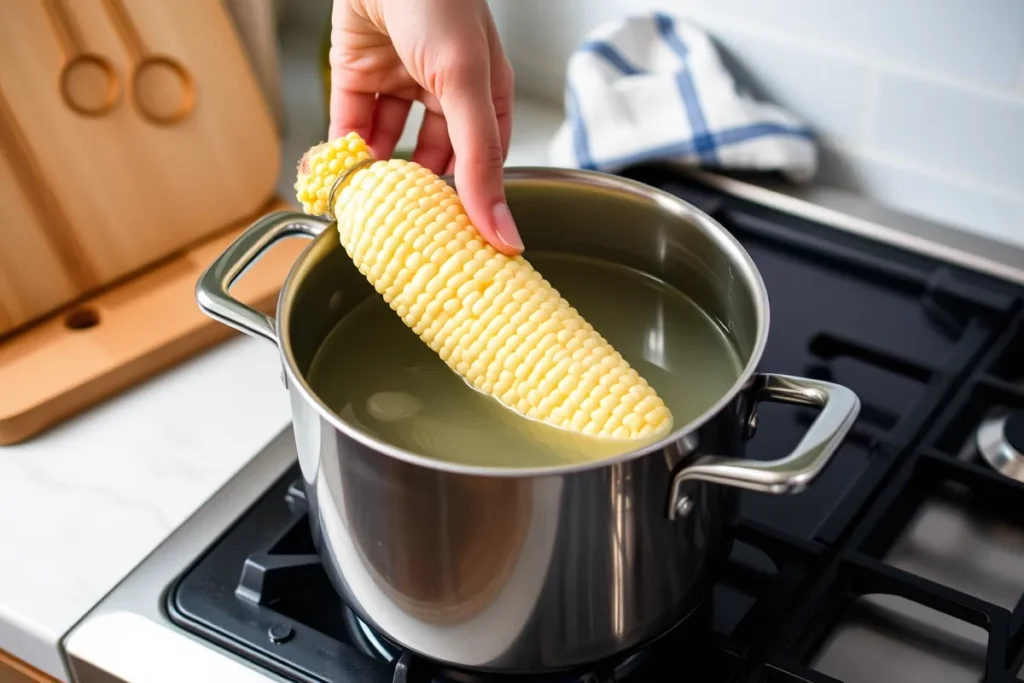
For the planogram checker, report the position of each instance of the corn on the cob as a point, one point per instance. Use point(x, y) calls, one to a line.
point(492, 318)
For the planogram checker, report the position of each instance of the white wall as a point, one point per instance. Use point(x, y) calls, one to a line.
point(918, 103)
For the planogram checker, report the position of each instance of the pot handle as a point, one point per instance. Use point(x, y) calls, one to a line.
point(791, 474)
point(213, 285)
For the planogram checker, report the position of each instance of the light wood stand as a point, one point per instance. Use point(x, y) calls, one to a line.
point(16, 671)
point(115, 339)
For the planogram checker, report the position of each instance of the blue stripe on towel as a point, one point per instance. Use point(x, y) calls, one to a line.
point(580, 143)
point(684, 148)
point(612, 56)
point(731, 136)
point(703, 142)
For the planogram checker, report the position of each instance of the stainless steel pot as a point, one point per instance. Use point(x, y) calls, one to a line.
point(537, 570)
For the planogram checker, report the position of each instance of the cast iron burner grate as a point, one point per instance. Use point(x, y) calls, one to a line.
point(281, 610)
point(904, 561)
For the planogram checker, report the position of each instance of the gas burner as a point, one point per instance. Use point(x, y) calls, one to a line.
point(1001, 442)
point(410, 667)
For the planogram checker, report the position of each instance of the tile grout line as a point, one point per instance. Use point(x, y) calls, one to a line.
point(876, 155)
point(1020, 75)
point(869, 108)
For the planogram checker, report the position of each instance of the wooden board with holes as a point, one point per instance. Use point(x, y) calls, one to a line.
point(128, 333)
point(129, 130)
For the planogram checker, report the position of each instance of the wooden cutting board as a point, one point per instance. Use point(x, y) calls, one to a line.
point(129, 130)
point(125, 334)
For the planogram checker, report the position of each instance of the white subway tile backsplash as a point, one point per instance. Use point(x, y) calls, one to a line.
point(541, 34)
point(977, 41)
point(829, 93)
point(920, 102)
point(962, 132)
point(985, 212)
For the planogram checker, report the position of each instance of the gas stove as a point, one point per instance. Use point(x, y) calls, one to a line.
point(904, 561)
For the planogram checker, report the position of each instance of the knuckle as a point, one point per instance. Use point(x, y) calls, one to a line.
point(506, 74)
point(456, 68)
point(489, 156)
point(463, 69)
point(503, 101)
point(349, 69)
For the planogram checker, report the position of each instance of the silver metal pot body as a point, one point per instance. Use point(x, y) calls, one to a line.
point(530, 571)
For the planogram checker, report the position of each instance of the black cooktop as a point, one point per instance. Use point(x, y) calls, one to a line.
point(930, 349)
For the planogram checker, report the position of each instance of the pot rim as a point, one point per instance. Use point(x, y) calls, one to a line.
point(664, 201)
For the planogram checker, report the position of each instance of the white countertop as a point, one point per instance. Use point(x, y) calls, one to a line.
point(83, 504)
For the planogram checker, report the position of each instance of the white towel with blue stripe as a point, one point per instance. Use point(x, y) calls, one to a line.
point(653, 88)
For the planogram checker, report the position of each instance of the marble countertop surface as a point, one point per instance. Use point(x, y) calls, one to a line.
point(82, 504)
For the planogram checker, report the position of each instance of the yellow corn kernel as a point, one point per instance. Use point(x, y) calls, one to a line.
point(492, 318)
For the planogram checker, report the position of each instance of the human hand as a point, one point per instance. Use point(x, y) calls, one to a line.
point(445, 53)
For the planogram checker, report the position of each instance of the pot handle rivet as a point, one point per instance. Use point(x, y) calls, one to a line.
point(791, 474)
point(750, 428)
point(213, 285)
point(684, 506)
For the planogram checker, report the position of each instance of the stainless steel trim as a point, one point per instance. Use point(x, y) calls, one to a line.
point(332, 196)
point(791, 474)
point(997, 451)
point(128, 636)
point(213, 285)
point(856, 214)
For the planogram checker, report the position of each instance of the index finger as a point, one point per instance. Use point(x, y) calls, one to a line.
point(349, 111)
point(479, 154)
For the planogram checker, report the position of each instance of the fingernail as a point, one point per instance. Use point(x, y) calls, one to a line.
point(506, 227)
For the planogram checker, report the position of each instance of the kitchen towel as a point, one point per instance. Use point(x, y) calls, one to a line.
point(654, 87)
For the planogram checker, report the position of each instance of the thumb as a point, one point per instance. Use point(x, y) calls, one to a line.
point(472, 122)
